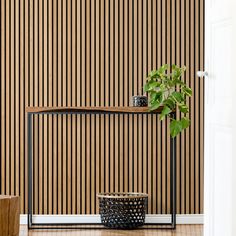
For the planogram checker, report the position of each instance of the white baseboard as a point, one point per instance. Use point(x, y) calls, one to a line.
point(180, 219)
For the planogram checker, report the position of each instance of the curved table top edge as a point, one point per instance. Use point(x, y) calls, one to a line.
point(91, 109)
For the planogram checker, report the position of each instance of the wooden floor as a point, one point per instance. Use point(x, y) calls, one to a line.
point(181, 230)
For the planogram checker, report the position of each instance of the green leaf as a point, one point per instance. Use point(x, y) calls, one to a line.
point(178, 96)
point(155, 105)
point(154, 95)
point(176, 72)
point(154, 85)
point(187, 91)
point(162, 87)
point(170, 83)
point(175, 128)
point(166, 110)
point(154, 74)
point(151, 85)
point(169, 102)
point(185, 122)
point(183, 108)
point(163, 68)
point(146, 87)
point(178, 82)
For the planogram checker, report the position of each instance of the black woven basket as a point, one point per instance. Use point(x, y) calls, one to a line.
point(122, 210)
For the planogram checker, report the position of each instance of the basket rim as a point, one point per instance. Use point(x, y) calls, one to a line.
point(123, 195)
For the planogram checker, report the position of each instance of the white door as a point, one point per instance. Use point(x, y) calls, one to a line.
point(219, 130)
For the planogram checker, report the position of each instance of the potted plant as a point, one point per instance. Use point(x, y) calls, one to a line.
point(166, 89)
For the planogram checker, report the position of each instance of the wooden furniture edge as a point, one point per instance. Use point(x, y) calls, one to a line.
point(92, 109)
point(8, 196)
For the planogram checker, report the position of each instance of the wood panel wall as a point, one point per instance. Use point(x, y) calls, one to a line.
point(97, 53)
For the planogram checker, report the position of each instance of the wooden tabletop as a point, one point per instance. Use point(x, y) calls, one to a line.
point(91, 109)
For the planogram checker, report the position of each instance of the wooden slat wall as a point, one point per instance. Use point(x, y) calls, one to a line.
point(97, 53)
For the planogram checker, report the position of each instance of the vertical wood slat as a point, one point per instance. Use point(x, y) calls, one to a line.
point(173, 53)
point(78, 102)
point(66, 52)
point(184, 159)
point(7, 168)
point(3, 97)
point(17, 100)
point(36, 101)
point(55, 22)
point(179, 187)
point(187, 62)
point(11, 97)
point(50, 193)
point(40, 79)
point(93, 101)
point(45, 103)
point(195, 174)
point(21, 100)
point(59, 102)
point(74, 102)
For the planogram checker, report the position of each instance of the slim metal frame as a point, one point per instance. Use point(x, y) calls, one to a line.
point(31, 225)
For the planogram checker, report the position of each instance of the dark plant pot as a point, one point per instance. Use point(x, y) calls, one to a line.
point(140, 101)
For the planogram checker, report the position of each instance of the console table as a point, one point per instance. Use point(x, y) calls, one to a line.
point(96, 110)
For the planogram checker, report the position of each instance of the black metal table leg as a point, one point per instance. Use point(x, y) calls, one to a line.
point(173, 180)
point(29, 170)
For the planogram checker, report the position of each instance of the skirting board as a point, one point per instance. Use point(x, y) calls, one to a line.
point(180, 219)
